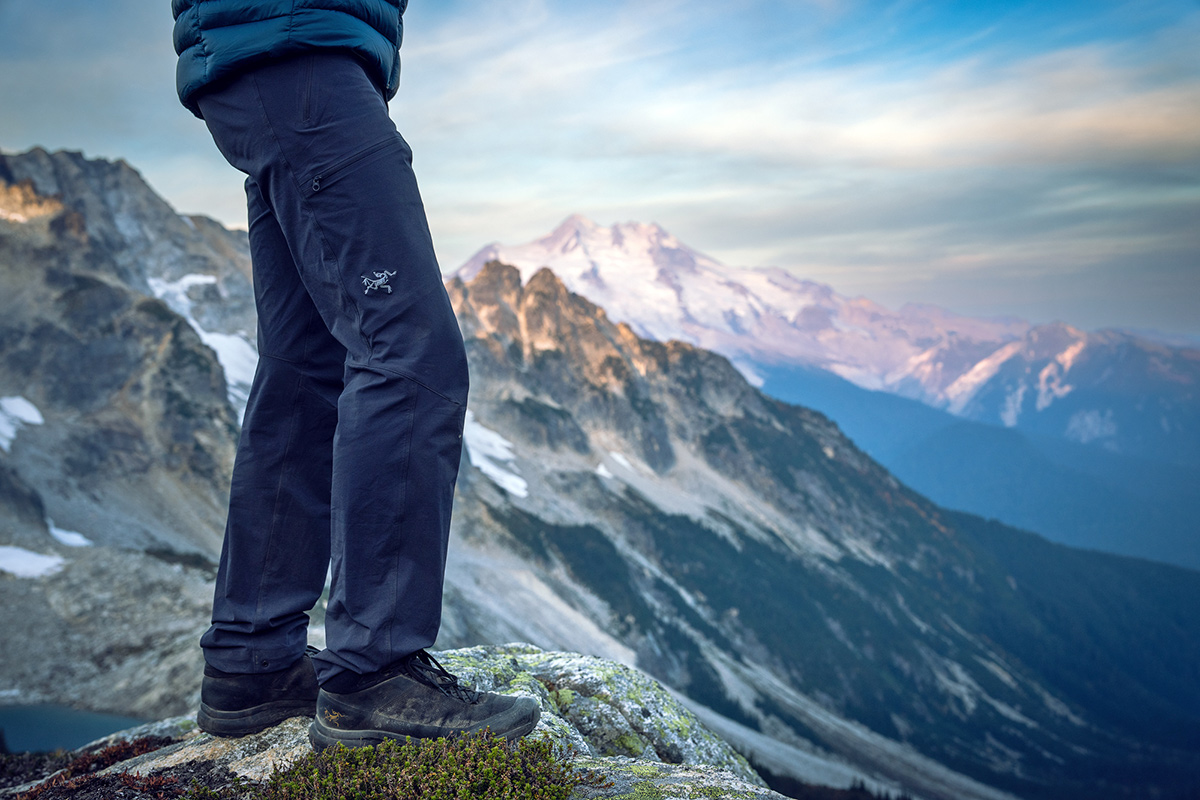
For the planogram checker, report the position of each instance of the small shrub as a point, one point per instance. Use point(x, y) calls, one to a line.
point(80, 771)
point(18, 768)
point(476, 767)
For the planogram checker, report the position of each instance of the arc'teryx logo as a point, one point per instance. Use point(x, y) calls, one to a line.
point(380, 281)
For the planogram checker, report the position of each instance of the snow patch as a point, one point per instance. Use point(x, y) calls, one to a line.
point(487, 450)
point(748, 371)
point(27, 564)
point(603, 472)
point(1067, 357)
point(1009, 713)
point(922, 626)
point(237, 356)
point(964, 388)
point(1051, 386)
point(956, 682)
point(1058, 707)
point(68, 538)
point(1012, 406)
point(621, 459)
point(999, 672)
point(15, 413)
point(1088, 426)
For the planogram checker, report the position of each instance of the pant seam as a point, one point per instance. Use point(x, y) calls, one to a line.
point(398, 557)
point(275, 512)
point(405, 376)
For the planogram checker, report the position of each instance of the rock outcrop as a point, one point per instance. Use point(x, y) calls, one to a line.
point(615, 721)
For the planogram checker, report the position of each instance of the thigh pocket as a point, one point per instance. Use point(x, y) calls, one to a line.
point(325, 177)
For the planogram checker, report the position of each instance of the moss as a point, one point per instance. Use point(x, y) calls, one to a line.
point(643, 790)
point(562, 698)
point(630, 744)
point(716, 793)
point(644, 770)
point(481, 767)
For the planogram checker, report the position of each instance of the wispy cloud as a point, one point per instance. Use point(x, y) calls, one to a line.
point(882, 175)
point(911, 151)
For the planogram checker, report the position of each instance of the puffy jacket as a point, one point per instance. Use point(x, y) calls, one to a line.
point(217, 38)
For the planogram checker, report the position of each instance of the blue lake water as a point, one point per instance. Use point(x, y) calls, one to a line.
point(43, 728)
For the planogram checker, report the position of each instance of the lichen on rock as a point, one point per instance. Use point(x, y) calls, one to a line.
point(615, 709)
point(622, 727)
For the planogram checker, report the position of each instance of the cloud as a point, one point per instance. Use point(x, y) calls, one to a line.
point(887, 148)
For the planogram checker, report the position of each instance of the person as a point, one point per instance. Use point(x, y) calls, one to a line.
point(352, 435)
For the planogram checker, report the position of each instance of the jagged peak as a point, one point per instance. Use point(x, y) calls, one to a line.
point(20, 202)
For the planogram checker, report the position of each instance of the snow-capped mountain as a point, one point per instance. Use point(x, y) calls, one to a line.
point(641, 274)
point(1129, 394)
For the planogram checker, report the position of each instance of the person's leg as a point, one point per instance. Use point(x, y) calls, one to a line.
point(276, 549)
point(315, 136)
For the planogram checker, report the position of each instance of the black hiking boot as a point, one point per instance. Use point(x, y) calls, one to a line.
point(235, 704)
point(414, 697)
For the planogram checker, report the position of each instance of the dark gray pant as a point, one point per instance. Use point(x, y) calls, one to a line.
point(350, 446)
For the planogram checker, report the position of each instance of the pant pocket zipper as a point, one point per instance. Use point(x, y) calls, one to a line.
point(332, 171)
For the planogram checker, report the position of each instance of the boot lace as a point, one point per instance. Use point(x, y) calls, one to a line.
point(426, 669)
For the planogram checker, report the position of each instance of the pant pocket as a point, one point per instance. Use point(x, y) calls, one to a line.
point(325, 177)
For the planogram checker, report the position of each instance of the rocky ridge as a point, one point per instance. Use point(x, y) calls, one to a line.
point(603, 713)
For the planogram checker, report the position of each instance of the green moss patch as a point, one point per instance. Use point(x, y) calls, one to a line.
point(478, 767)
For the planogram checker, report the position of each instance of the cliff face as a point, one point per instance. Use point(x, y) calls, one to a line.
point(119, 440)
point(135, 445)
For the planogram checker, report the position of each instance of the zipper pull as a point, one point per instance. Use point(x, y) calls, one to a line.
point(316, 184)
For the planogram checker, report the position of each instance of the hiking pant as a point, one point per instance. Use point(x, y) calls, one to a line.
point(353, 431)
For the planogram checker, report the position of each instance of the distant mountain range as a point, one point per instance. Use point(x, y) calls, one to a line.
point(619, 495)
point(1089, 415)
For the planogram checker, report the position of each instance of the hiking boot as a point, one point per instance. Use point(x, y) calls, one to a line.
point(414, 697)
point(236, 704)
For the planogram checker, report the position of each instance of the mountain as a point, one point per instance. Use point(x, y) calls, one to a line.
point(619, 496)
point(116, 435)
point(196, 266)
point(1131, 394)
point(642, 275)
point(1075, 494)
point(783, 579)
point(1071, 400)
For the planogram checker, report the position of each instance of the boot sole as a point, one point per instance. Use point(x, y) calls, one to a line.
point(322, 736)
point(243, 722)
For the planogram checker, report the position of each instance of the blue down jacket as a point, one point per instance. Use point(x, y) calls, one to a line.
point(217, 38)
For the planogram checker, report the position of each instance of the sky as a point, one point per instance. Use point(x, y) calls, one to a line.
point(1035, 159)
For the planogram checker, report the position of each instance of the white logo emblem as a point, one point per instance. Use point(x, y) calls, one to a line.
point(380, 281)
